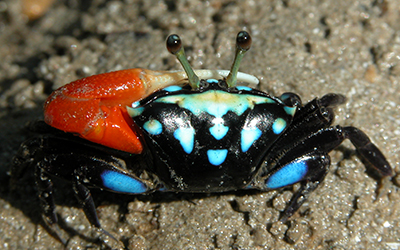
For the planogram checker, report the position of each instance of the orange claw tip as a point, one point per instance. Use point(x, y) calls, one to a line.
point(108, 126)
point(116, 131)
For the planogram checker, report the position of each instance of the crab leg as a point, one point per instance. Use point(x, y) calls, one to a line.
point(90, 167)
point(310, 169)
point(306, 160)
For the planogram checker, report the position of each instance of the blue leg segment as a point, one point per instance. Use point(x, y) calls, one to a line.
point(309, 170)
point(122, 182)
point(296, 171)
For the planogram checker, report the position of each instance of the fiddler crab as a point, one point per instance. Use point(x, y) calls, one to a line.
point(137, 131)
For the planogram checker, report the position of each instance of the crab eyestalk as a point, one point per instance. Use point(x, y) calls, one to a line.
point(174, 46)
point(243, 43)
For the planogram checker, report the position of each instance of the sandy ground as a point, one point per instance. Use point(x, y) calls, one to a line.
point(308, 47)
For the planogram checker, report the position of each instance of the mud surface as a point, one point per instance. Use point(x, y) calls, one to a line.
point(311, 48)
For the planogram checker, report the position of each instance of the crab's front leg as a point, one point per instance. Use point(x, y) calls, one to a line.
point(305, 159)
point(309, 169)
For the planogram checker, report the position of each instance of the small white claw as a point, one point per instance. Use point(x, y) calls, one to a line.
point(241, 77)
point(155, 80)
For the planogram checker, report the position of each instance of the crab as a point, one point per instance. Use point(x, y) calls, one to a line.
point(138, 131)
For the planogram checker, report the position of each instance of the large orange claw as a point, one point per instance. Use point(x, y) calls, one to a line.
point(95, 109)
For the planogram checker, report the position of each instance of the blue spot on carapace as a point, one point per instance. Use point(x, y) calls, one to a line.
point(289, 174)
point(243, 88)
point(123, 183)
point(248, 137)
point(290, 110)
point(217, 156)
point(173, 88)
point(152, 126)
point(186, 138)
point(278, 126)
point(219, 131)
point(212, 80)
point(215, 102)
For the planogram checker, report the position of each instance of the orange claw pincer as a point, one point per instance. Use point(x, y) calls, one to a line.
point(95, 107)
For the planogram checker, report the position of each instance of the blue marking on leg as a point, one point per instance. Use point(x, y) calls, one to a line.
point(173, 88)
point(186, 137)
point(154, 127)
point(217, 156)
point(278, 126)
point(289, 174)
point(123, 183)
point(248, 137)
point(219, 131)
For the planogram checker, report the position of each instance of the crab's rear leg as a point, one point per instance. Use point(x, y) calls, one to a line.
point(85, 165)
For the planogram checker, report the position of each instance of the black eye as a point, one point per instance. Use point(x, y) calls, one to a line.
point(174, 43)
point(204, 84)
point(222, 84)
point(243, 40)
